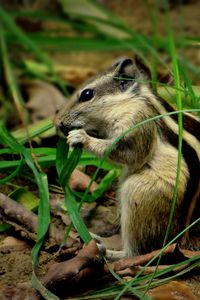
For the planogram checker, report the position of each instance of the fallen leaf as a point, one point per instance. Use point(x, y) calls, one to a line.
point(79, 181)
point(25, 198)
point(189, 253)
point(173, 254)
point(134, 270)
point(173, 290)
point(83, 269)
point(44, 99)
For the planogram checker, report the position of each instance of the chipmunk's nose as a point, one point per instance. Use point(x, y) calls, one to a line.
point(63, 128)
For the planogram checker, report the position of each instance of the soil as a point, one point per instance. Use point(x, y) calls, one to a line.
point(15, 261)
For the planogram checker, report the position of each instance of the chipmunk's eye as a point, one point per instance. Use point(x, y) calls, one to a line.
point(86, 95)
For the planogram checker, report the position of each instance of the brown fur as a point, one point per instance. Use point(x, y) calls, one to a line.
point(148, 154)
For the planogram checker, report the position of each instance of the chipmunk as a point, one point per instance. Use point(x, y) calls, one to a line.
point(104, 108)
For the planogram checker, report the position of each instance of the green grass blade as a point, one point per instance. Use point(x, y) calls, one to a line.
point(11, 80)
point(61, 154)
point(134, 291)
point(43, 213)
point(34, 130)
point(89, 159)
point(14, 173)
point(189, 90)
point(169, 94)
point(8, 23)
point(46, 294)
point(47, 157)
point(74, 214)
point(70, 165)
point(26, 198)
point(7, 141)
point(65, 165)
point(104, 184)
point(41, 180)
point(4, 227)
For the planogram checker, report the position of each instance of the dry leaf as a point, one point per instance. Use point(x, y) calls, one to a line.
point(44, 99)
point(79, 181)
point(173, 254)
point(76, 272)
point(174, 290)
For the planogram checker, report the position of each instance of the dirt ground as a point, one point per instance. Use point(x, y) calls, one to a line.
point(15, 255)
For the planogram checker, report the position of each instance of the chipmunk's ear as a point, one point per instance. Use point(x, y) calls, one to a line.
point(142, 68)
point(122, 65)
point(122, 61)
point(127, 66)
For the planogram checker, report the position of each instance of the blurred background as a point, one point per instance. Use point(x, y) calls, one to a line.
point(64, 42)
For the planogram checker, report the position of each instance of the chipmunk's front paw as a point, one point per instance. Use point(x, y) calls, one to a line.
point(77, 136)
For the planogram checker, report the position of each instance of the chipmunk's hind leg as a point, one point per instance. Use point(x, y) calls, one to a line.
point(145, 207)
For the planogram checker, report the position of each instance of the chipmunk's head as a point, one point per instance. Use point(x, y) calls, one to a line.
point(108, 91)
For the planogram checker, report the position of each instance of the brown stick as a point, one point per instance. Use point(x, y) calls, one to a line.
point(132, 271)
point(26, 221)
point(140, 259)
point(12, 212)
point(77, 272)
